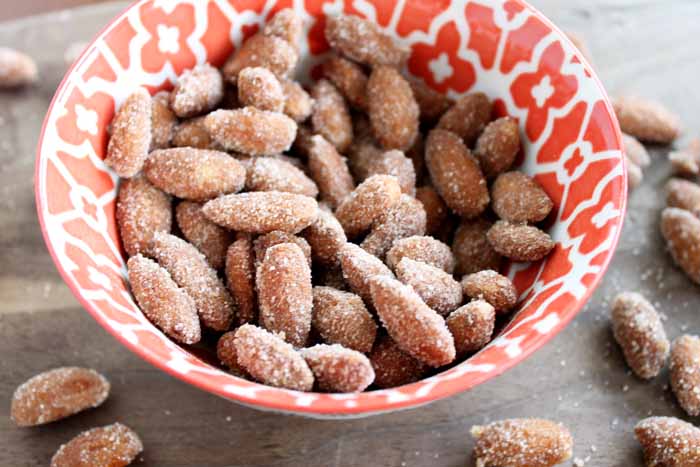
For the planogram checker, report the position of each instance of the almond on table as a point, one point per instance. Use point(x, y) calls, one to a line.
point(277, 237)
point(168, 306)
point(285, 293)
point(240, 278)
point(683, 194)
point(498, 146)
point(197, 91)
point(163, 121)
point(270, 174)
point(392, 366)
point(56, 394)
point(113, 445)
point(471, 248)
point(646, 120)
point(635, 151)
point(331, 117)
point(194, 174)
point(342, 318)
point(142, 210)
point(362, 41)
point(519, 242)
point(261, 50)
point(258, 87)
point(393, 111)
point(359, 267)
point(367, 203)
point(638, 330)
point(472, 326)
point(467, 117)
point(635, 176)
point(251, 131)
point(437, 288)
point(681, 230)
point(209, 238)
point(685, 373)
point(330, 171)
point(16, 69)
point(668, 441)
point(492, 287)
point(417, 329)
point(420, 248)
point(337, 369)
point(517, 197)
point(271, 360)
point(684, 163)
point(262, 211)
point(349, 78)
point(405, 219)
point(522, 442)
point(130, 141)
point(455, 174)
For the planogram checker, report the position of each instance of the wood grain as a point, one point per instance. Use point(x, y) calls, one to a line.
point(579, 378)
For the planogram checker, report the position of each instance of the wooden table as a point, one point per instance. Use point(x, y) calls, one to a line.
point(579, 378)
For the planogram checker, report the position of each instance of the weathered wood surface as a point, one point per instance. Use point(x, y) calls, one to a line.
point(579, 378)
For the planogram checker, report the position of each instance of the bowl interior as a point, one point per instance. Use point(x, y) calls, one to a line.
point(503, 48)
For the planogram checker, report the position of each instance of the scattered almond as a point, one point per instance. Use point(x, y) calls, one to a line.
point(646, 120)
point(113, 445)
point(634, 174)
point(668, 441)
point(685, 373)
point(684, 163)
point(635, 151)
point(16, 69)
point(681, 230)
point(683, 194)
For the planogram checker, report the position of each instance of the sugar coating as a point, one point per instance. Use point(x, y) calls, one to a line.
point(415, 153)
point(407, 218)
point(685, 373)
point(472, 250)
point(258, 87)
point(271, 360)
point(330, 117)
point(287, 25)
point(349, 78)
point(492, 287)
point(227, 354)
point(251, 131)
point(437, 288)
point(338, 369)
point(342, 318)
point(267, 51)
point(271, 174)
point(192, 133)
point(367, 203)
point(392, 366)
point(194, 174)
point(130, 141)
point(330, 171)
point(197, 91)
point(635, 150)
point(467, 117)
point(191, 271)
point(421, 248)
point(668, 441)
point(362, 41)
point(646, 120)
point(168, 306)
point(684, 163)
point(360, 156)
point(263, 242)
point(113, 445)
point(417, 329)
point(435, 209)
point(683, 194)
point(326, 237)
point(497, 146)
point(240, 278)
point(455, 174)
point(16, 69)
point(472, 326)
point(634, 174)
point(395, 162)
point(519, 242)
point(298, 104)
point(142, 210)
point(209, 238)
point(638, 330)
point(522, 442)
point(359, 267)
point(163, 121)
point(285, 296)
point(431, 103)
point(681, 230)
point(56, 394)
point(263, 211)
point(393, 111)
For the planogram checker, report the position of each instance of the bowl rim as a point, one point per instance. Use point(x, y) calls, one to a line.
point(371, 406)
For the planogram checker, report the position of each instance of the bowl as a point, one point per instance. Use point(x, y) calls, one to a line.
point(506, 49)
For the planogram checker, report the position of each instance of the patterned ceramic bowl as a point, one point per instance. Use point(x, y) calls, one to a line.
point(504, 48)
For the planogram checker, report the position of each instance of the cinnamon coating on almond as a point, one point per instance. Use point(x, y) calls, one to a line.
point(681, 230)
point(492, 287)
point(112, 445)
point(407, 218)
point(437, 288)
point(329, 170)
point(331, 117)
point(287, 25)
point(197, 91)
point(271, 174)
point(342, 318)
point(261, 50)
point(420, 248)
point(467, 117)
point(517, 197)
point(498, 146)
point(362, 41)
point(395, 163)
point(431, 103)
point(277, 237)
point(519, 242)
point(227, 354)
point(163, 121)
point(436, 210)
point(130, 141)
point(192, 133)
point(392, 366)
point(258, 87)
point(683, 194)
point(393, 111)
point(359, 267)
point(298, 104)
point(368, 202)
point(142, 210)
point(685, 373)
point(194, 174)
point(240, 278)
point(337, 369)
point(209, 238)
point(349, 78)
point(472, 326)
point(251, 131)
point(646, 120)
point(668, 441)
point(471, 248)
point(326, 237)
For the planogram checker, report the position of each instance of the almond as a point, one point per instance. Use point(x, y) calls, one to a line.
point(362, 41)
point(267, 51)
point(367, 203)
point(197, 91)
point(258, 87)
point(392, 109)
point(685, 373)
point(337, 369)
point(395, 163)
point(56, 394)
point(342, 318)
point(349, 78)
point(131, 134)
point(635, 151)
point(16, 69)
point(522, 442)
point(326, 237)
point(298, 104)
point(331, 117)
point(359, 267)
point(492, 287)
point(498, 146)
point(519, 198)
point(163, 121)
point(681, 230)
point(435, 209)
point(271, 174)
point(287, 25)
point(227, 354)
point(330, 171)
point(240, 278)
point(193, 133)
point(519, 242)
point(392, 366)
point(425, 249)
point(471, 248)
point(277, 237)
point(684, 163)
point(207, 237)
point(455, 174)
point(431, 103)
point(639, 332)
point(683, 194)
point(646, 120)
point(437, 288)
point(112, 445)
point(634, 174)
point(471, 326)
point(668, 441)
point(405, 219)
point(467, 117)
